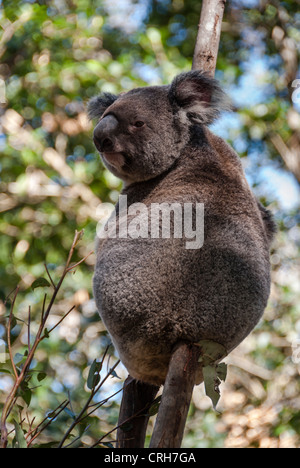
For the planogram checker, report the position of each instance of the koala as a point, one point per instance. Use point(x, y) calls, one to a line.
point(152, 293)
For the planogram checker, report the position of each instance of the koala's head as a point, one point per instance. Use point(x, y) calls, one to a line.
point(140, 134)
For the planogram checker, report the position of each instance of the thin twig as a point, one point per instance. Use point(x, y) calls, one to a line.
point(28, 328)
point(43, 308)
point(33, 431)
point(11, 314)
point(7, 297)
point(76, 438)
point(138, 413)
point(30, 423)
point(106, 377)
point(76, 239)
point(70, 402)
point(98, 405)
point(86, 406)
point(49, 276)
point(48, 423)
point(81, 261)
point(58, 323)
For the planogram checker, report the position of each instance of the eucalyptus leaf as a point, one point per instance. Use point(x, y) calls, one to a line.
point(211, 382)
point(41, 376)
point(13, 322)
point(153, 410)
point(70, 413)
point(18, 358)
point(26, 395)
point(211, 352)
point(52, 444)
point(20, 438)
point(93, 376)
point(221, 370)
point(107, 444)
point(114, 374)
point(40, 283)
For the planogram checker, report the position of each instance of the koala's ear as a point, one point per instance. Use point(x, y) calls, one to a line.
point(98, 104)
point(199, 96)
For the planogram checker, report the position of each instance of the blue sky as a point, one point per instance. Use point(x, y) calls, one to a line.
point(274, 182)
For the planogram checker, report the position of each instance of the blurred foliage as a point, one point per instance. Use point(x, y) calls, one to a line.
point(55, 55)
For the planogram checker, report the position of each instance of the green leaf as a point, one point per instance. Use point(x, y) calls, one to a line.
point(47, 445)
point(26, 395)
point(13, 322)
point(93, 377)
point(221, 370)
point(5, 371)
point(114, 374)
point(70, 413)
point(40, 283)
point(126, 427)
point(211, 352)
point(20, 438)
point(153, 410)
point(213, 375)
point(82, 428)
point(212, 383)
point(41, 376)
point(18, 358)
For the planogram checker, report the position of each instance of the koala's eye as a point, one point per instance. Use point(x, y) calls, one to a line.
point(139, 124)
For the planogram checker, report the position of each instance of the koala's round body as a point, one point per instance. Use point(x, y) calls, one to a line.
point(154, 292)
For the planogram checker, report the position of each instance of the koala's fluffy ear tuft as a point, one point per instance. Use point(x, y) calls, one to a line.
point(98, 104)
point(199, 96)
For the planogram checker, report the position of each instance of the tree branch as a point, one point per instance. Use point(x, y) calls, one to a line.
point(208, 38)
point(176, 397)
point(137, 397)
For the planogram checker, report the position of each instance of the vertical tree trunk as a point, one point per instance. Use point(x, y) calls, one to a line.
point(136, 400)
point(208, 38)
point(176, 397)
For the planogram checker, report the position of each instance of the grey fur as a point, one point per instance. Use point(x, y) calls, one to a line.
point(151, 293)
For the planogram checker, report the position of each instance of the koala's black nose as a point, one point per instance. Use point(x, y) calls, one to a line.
point(104, 132)
point(107, 145)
